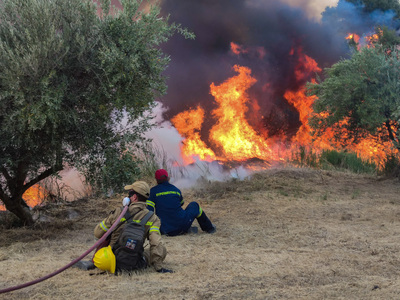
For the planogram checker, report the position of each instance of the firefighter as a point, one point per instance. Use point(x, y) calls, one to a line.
point(167, 201)
point(138, 194)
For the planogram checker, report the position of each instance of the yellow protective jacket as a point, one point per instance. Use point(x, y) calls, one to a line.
point(138, 210)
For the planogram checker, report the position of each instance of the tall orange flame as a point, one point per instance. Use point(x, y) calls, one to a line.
point(232, 132)
point(189, 124)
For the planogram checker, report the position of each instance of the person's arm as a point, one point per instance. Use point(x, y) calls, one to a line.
point(106, 224)
point(151, 202)
point(181, 198)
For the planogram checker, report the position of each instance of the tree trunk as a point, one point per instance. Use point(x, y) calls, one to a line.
point(21, 211)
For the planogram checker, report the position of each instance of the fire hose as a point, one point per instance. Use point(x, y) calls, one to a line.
point(101, 240)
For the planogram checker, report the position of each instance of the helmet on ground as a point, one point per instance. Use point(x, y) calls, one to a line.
point(104, 259)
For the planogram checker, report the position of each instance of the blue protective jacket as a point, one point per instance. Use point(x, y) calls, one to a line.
point(166, 200)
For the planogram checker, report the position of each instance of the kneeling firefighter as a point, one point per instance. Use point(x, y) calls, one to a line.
point(125, 251)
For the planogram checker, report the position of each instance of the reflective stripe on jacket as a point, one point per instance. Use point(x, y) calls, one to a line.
point(138, 211)
point(166, 200)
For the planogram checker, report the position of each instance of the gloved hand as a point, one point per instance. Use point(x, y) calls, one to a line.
point(163, 270)
point(126, 201)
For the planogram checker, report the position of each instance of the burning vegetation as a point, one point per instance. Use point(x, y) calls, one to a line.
point(263, 111)
point(232, 138)
point(33, 196)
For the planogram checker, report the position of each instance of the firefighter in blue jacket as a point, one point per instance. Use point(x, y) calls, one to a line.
point(166, 200)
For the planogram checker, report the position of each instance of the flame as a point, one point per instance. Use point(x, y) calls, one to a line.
point(231, 135)
point(33, 196)
point(189, 124)
point(232, 132)
point(258, 52)
point(367, 40)
point(232, 138)
point(237, 49)
point(305, 66)
point(371, 148)
point(354, 37)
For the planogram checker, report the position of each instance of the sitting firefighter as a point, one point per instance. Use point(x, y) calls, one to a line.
point(126, 251)
point(167, 201)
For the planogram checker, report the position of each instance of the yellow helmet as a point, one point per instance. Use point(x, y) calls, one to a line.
point(104, 259)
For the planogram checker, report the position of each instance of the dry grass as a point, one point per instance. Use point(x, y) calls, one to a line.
point(284, 234)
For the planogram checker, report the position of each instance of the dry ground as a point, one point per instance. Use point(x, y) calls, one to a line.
point(283, 234)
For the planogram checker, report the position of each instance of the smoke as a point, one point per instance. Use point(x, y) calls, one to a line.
point(348, 18)
point(266, 32)
point(269, 37)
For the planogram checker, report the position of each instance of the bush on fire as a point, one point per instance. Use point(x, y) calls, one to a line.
point(360, 94)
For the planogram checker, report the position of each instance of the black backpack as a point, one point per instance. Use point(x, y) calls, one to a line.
point(129, 248)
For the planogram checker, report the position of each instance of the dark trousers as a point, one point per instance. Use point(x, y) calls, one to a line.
point(193, 210)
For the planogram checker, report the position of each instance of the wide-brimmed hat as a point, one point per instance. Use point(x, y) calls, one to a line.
point(140, 187)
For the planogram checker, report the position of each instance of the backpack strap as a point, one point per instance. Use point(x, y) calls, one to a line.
point(128, 217)
point(146, 217)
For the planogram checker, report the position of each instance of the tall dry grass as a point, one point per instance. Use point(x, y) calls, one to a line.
point(290, 233)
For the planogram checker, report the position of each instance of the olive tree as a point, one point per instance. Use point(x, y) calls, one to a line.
point(364, 91)
point(76, 83)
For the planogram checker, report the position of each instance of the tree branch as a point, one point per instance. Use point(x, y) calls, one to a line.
point(390, 131)
point(3, 196)
point(43, 175)
point(5, 173)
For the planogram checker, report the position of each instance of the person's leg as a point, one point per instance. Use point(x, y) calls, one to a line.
point(195, 211)
point(146, 255)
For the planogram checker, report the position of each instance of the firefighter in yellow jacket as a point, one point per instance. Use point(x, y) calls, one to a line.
point(105, 258)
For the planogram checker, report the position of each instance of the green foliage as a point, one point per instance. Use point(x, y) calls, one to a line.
point(387, 37)
point(392, 166)
point(363, 90)
point(383, 5)
point(305, 157)
point(332, 159)
point(152, 158)
point(345, 160)
point(75, 89)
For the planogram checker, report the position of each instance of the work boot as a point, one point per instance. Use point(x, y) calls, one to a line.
point(205, 223)
point(213, 229)
point(84, 265)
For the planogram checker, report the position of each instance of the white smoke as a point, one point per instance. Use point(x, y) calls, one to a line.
point(165, 137)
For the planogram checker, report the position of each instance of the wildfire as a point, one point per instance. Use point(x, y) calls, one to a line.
point(232, 133)
point(189, 124)
point(354, 37)
point(367, 41)
point(34, 196)
point(232, 138)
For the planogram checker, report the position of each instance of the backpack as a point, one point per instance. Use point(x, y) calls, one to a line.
point(128, 249)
